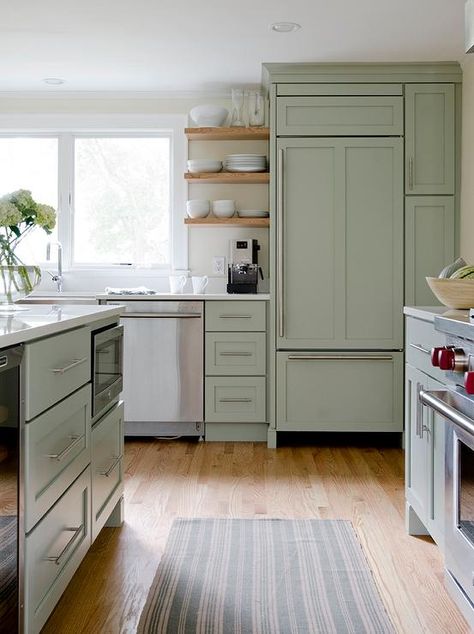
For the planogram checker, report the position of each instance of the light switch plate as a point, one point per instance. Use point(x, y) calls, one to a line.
point(218, 265)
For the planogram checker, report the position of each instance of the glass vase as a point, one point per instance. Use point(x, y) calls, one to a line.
point(16, 282)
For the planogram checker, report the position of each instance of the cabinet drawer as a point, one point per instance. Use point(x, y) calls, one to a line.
point(54, 550)
point(244, 316)
point(56, 367)
point(235, 400)
point(339, 116)
point(235, 353)
point(421, 336)
point(340, 392)
point(57, 450)
point(107, 475)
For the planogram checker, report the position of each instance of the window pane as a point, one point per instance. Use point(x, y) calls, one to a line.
point(31, 163)
point(122, 198)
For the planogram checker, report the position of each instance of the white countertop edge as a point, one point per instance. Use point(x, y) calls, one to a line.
point(426, 313)
point(185, 296)
point(20, 327)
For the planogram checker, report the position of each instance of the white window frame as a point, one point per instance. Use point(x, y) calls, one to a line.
point(67, 127)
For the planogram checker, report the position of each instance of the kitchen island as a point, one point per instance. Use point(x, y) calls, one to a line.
point(61, 476)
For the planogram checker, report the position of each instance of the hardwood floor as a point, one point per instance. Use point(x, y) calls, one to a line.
point(167, 479)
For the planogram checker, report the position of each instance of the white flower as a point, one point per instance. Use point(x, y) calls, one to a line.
point(9, 214)
point(45, 217)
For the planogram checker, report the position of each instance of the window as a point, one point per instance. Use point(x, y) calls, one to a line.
point(31, 163)
point(122, 200)
point(116, 182)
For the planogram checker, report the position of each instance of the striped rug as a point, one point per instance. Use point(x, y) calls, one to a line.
point(8, 572)
point(265, 576)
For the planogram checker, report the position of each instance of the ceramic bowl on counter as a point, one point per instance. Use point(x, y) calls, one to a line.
point(198, 208)
point(209, 116)
point(223, 208)
point(200, 166)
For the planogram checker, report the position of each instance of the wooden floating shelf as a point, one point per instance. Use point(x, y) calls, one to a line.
point(227, 134)
point(230, 178)
point(229, 222)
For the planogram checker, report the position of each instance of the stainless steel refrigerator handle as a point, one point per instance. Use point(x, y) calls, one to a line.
point(328, 357)
point(161, 315)
point(450, 413)
point(281, 325)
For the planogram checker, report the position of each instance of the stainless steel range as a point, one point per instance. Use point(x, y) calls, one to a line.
point(456, 406)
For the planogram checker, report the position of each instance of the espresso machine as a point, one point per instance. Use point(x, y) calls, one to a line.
point(242, 276)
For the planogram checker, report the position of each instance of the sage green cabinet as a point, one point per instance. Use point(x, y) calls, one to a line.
point(349, 392)
point(430, 139)
point(340, 243)
point(340, 116)
point(235, 399)
point(424, 433)
point(235, 353)
point(429, 244)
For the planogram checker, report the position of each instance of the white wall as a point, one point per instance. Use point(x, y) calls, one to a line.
point(203, 243)
point(467, 169)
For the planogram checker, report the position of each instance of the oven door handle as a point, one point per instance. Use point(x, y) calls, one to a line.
point(431, 399)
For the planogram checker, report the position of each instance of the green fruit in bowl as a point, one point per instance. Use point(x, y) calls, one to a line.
point(464, 273)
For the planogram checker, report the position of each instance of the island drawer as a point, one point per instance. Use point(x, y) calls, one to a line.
point(56, 367)
point(107, 471)
point(235, 399)
point(421, 336)
point(54, 550)
point(235, 353)
point(228, 315)
point(57, 450)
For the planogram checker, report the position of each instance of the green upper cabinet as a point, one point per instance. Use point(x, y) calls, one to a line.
point(429, 139)
point(340, 243)
point(429, 244)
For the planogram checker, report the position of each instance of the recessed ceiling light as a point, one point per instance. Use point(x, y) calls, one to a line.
point(53, 81)
point(285, 27)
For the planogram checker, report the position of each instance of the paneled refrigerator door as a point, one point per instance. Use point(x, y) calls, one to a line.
point(340, 243)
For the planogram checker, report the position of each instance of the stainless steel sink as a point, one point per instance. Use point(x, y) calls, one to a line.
point(60, 298)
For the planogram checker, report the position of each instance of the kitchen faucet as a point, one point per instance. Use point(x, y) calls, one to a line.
point(59, 277)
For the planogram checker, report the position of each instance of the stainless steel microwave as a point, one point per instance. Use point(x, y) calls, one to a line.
point(107, 368)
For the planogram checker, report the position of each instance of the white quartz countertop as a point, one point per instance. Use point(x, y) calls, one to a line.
point(184, 296)
point(427, 313)
point(37, 321)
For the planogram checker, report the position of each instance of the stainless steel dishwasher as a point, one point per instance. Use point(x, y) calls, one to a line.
point(163, 379)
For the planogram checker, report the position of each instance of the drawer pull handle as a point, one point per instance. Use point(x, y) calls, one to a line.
point(235, 354)
point(59, 559)
point(235, 400)
point(327, 357)
point(417, 346)
point(235, 316)
point(66, 368)
point(59, 456)
point(116, 461)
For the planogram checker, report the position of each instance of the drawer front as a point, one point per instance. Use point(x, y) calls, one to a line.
point(235, 400)
point(57, 450)
point(340, 392)
point(421, 336)
point(243, 316)
point(235, 353)
point(54, 550)
point(107, 474)
point(339, 116)
point(62, 362)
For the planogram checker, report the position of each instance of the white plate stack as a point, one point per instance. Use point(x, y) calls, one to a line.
point(245, 163)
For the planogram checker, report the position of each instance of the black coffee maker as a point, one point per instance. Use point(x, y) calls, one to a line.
point(243, 272)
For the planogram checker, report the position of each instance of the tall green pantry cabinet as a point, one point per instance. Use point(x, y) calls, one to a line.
point(364, 176)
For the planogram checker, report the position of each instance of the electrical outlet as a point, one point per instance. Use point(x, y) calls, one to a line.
point(218, 265)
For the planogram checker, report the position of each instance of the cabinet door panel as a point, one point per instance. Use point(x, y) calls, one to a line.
point(340, 257)
point(429, 244)
point(429, 138)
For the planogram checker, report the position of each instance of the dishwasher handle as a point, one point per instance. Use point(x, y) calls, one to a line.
point(161, 315)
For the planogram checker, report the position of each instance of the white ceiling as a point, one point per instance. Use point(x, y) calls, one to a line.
point(193, 45)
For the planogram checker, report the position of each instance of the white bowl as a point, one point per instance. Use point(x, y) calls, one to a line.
point(223, 205)
point(199, 166)
point(209, 116)
point(197, 208)
point(223, 213)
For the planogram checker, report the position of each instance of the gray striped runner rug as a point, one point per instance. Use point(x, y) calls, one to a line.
point(263, 576)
